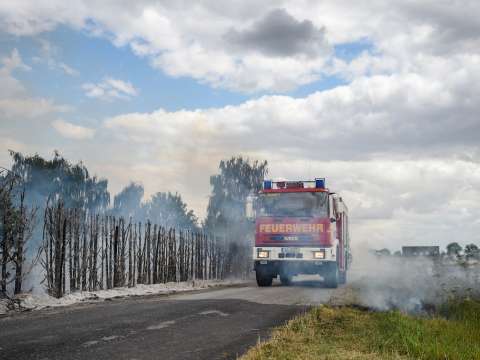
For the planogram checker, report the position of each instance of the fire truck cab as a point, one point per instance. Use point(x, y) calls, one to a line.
point(300, 228)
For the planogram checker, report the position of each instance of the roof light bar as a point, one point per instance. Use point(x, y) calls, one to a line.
point(318, 183)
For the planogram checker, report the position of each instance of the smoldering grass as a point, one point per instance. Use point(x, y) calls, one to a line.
point(327, 332)
point(410, 284)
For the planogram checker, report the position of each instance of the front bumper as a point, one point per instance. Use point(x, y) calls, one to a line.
point(293, 254)
point(276, 267)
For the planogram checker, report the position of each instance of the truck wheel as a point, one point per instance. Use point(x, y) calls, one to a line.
point(331, 278)
point(342, 278)
point(263, 279)
point(286, 280)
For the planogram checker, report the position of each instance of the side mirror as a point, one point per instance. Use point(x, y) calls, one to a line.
point(332, 220)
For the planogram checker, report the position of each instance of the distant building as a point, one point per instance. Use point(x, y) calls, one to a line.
point(431, 251)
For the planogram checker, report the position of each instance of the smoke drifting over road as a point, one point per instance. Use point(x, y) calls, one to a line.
point(407, 284)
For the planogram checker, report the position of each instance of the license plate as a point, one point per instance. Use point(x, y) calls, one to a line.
point(290, 250)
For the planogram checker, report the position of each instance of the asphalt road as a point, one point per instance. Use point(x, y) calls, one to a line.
point(215, 324)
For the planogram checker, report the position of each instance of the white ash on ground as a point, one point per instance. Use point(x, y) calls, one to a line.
point(29, 302)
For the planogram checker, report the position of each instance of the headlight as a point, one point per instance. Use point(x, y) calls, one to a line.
point(263, 254)
point(319, 254)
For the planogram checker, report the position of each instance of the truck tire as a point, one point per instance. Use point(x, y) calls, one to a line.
point(342, 277)
point(331, 279)
point(286, 280)
point(263, 279)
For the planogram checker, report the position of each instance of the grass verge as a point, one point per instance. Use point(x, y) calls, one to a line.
point(351, 333)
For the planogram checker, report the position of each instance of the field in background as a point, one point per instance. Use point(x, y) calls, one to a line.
point(452, 331)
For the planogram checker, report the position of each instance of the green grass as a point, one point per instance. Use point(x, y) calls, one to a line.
point(350, 333)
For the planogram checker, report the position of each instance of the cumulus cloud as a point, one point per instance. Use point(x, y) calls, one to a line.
point(279, 34)
point(389, 114)
point(110, 89)
point(184, 45)
point(289, 39)
point(72, 131)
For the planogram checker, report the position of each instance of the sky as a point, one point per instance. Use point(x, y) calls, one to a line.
point(381, 97)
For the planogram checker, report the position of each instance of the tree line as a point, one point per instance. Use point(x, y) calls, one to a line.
point(85, 242)
point(453, 249)
point(93, 252)
point(471, 251)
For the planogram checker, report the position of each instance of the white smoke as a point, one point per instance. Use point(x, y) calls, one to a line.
point(409, 284)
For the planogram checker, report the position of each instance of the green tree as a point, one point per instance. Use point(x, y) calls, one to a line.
point(128, 202)
point(58, 179)
point(238, 178)
point(454, 248)
point(169, 210)
point(472, 251)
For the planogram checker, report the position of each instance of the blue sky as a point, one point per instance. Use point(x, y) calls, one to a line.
point(96, 57)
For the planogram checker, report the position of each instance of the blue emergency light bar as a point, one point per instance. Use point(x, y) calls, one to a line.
point(320, 183)
point(269, 184)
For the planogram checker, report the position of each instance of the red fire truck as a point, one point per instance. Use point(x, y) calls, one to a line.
point(300, 228)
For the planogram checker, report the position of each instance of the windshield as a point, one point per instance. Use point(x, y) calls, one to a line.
point(293, 204)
